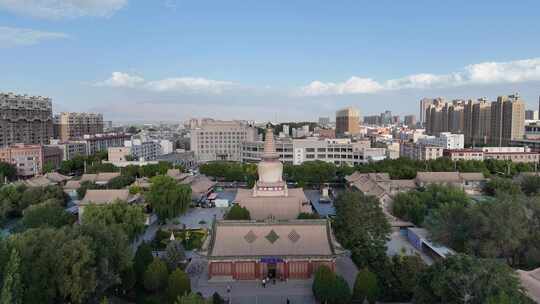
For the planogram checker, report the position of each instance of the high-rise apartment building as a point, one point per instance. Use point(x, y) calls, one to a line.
point(531, 115)
point(71, 125)
point(442, 116)
point(410, 120)
point(424, 104)
point(347, 122)
point(507, 119)
point(25, 119)
point(477, 122)
point(324, 121)
point(220, 140)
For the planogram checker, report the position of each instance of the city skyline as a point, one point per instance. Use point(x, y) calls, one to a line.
point(172, 60)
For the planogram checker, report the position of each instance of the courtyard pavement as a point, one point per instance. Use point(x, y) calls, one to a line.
point(399, 244)
point(244, 292)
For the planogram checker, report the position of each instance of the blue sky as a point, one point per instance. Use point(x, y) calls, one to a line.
point(171, 60)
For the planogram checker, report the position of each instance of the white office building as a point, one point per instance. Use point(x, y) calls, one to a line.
point(297, 151)
point(445, 140)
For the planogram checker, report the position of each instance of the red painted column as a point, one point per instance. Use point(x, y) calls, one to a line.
point(210, 271)
point(233, 268)
point(286, 271)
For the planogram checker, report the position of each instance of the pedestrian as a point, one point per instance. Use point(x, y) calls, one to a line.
point(228, 289)
point(288, 301)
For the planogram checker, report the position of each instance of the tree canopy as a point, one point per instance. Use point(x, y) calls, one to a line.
point(155, 276)
point(237, 212)
point(361, 226)
point(129, 218)
point(178, 284)
point(330, 288)
point(415, 205)
point(465, 279)
point(7, 171)
point(47, 214)
point(168, 198)
point(506, 227)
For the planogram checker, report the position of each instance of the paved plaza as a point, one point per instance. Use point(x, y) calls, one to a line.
point(244, 292)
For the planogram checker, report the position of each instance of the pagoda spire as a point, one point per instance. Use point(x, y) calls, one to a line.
point(269, 146)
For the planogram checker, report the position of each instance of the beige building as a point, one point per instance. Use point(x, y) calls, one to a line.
point(70, 149)
point(420, 152)
point(70, 125)
point(30, 159)
point(442, 116)
point(119, 154)
point(25, 119)
point(220, 140)
point(347, 122)
point(477, 122)
point(507, 120)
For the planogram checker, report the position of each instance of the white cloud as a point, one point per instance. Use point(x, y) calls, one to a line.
point(191, 84)
point(121, 80)
point(481, 73)
point(178, 84)
point(59, 9)
point(11, 36)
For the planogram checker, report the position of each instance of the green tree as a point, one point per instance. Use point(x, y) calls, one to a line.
point(57, 265)
point(323, 281)
point(217, 299)
point(12, 289)
point(130, 218)
point(530, 184)
point(7, 171)
point(365, 287)
point(143, 258)
point(47, 214)
point(167, 198)
point(237, 212)
point(451, 224)
point(174, 254)
point(329, 288)
point(397, 278)
point(49, 167)
point(361, 226)
point(499, 185)
point(178, 284)
point(112, 253)
point(129, 279)
point(415, 205)
point(120, 182)
point(191, 298)
point(308, 216)
point(465, 279)
point(155, 276)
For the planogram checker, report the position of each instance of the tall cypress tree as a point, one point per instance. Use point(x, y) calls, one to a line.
point(12, 291)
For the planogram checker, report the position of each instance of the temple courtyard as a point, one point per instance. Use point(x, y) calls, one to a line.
point(244, 292)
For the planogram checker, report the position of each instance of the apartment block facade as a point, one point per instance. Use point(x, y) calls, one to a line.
point(29, 160)
point(507, 120)
point(71, 125)
point(347, 122)
point(70, 149)
point(25, 119)
point(418, 151)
